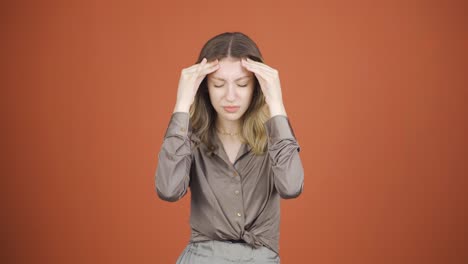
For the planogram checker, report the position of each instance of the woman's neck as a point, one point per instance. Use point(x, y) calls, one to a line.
point(228, 127)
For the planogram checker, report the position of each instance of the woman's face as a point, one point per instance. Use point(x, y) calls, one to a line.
point(230, 89)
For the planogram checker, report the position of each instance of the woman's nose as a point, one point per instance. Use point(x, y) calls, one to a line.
point(231, 93)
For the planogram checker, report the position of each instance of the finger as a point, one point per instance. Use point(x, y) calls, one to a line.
point(258, 71)
point(201, 65)
point(260, 75)
point(206, 65)
point(193, 70)
point(260, 65)
point(194, 67)
point(209, 62)
point(209, 69)
point(252, 66)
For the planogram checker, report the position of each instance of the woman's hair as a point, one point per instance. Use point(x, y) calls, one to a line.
point(202, 113)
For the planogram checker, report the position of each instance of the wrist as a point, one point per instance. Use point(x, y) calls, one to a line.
point(277, 109)
point(181, 107)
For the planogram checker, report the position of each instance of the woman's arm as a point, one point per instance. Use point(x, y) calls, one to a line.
point(282, 145)
point(175, 159)
point(283, 150)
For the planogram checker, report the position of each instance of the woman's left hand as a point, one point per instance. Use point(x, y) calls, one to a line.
point(269, 83)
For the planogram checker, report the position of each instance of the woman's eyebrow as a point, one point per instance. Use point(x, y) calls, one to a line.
point(221, 79)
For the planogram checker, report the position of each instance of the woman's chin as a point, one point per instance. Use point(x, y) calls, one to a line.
point(230, 116)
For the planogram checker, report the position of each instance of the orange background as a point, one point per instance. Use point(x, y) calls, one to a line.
point(376, 94)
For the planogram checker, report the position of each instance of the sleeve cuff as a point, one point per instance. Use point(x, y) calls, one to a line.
point(179, 125)
point(279, 127)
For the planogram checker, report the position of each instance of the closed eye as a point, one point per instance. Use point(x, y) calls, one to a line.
point(219, 86)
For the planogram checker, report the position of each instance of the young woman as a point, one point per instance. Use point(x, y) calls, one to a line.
point(229, 139)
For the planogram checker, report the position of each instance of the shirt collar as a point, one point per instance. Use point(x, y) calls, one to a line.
point(244, 148)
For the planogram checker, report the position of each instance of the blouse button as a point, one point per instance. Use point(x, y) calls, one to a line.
point(182, 129)
point(236, 192)
point(239, 214)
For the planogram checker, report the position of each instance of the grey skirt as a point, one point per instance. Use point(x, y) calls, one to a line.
point(221, 252)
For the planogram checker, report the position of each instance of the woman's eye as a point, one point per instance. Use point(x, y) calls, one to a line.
point(221, 85)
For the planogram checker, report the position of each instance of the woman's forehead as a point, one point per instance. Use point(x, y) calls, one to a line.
point(230, 69)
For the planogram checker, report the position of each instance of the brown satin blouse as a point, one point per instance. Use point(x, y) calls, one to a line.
point(231, 201)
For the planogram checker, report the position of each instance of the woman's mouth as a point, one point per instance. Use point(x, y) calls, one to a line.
point(231, 109)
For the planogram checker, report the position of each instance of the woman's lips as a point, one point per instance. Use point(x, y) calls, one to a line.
point(231, 109)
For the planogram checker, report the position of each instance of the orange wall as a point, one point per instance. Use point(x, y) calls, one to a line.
point(376, 94)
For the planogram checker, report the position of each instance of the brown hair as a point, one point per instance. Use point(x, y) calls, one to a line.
point(202, 113)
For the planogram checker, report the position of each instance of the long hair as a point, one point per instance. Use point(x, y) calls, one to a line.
point(202, 113)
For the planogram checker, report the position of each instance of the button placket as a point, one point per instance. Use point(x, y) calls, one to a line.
point(235, 174)
point(237, 181)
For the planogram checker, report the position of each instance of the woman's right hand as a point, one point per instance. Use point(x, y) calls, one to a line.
point(190, 80)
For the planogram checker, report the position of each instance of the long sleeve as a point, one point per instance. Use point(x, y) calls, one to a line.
point(283, 149)
point(175, 159)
